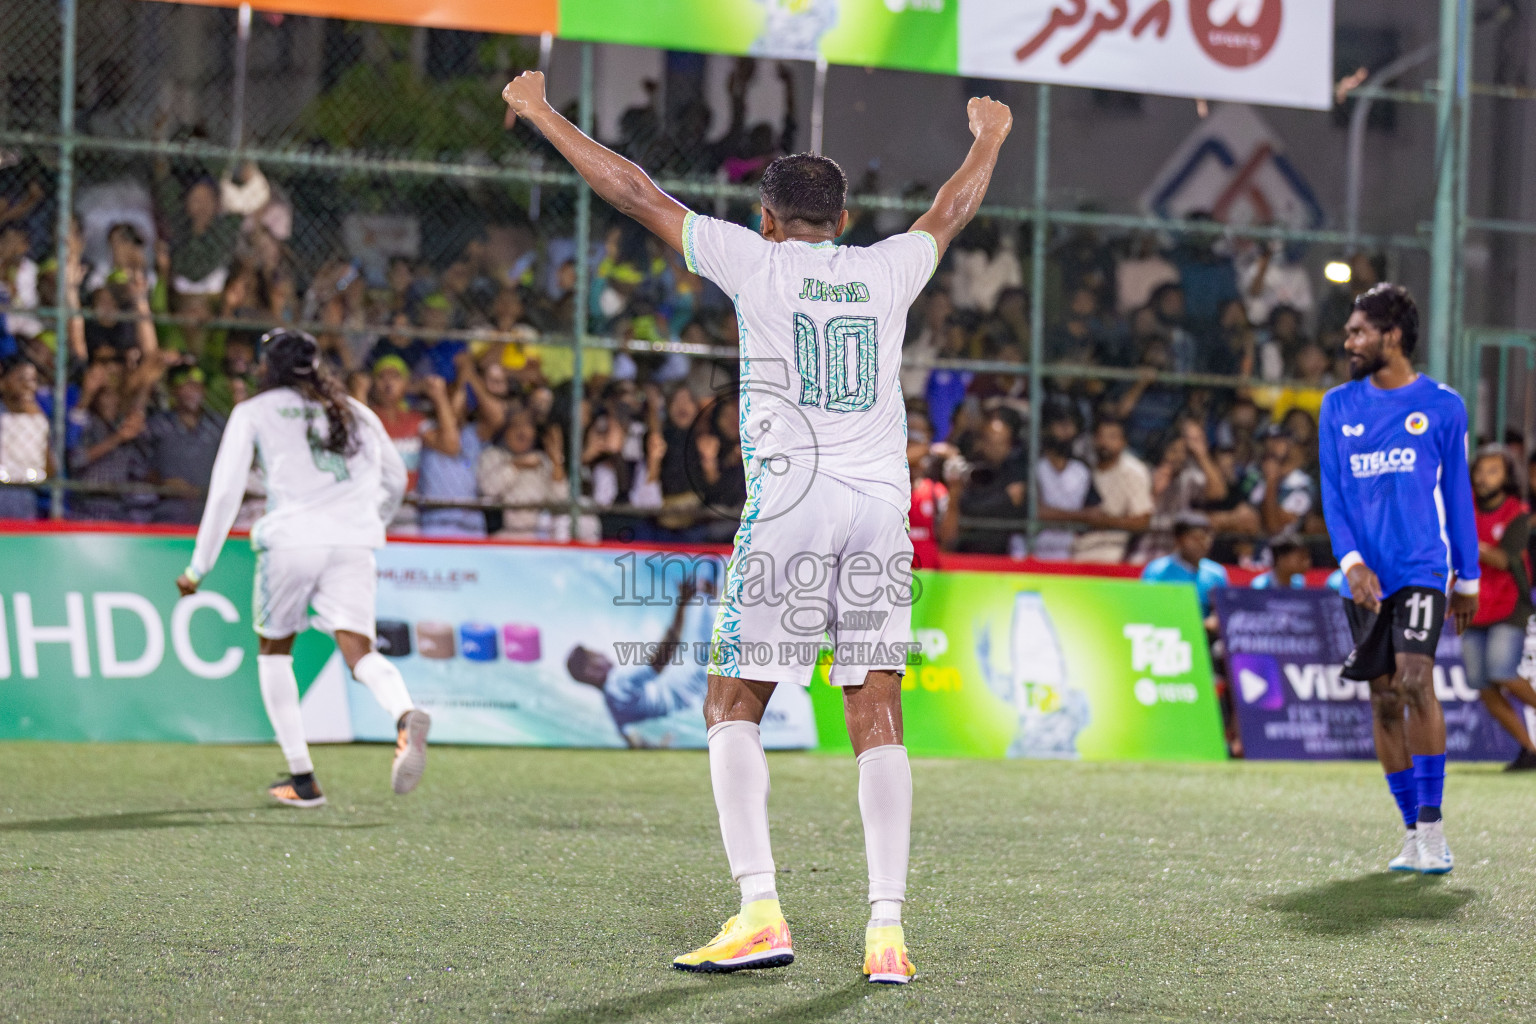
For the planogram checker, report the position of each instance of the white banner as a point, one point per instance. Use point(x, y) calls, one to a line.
point(1277, 52)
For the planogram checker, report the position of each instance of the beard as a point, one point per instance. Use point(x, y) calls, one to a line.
point(1361, 367)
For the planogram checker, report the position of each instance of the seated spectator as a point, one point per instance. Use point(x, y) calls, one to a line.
point(930, 498)
point(1206, 276)
point(1171, 322)
point(1235, 353)
point(516, 472)
point(411, 429)
point(1279, 343)
point(925, 340)
point(18, 284)
point(1292, 559)
point(990, 486)
point(204, 225)
point(399, 343)
point(108, 451)
point(1124, 488)
point(679, 469)
point(1311, 378)
point(25, 460)
point(985, 263)
point(180, 444)
point(1187, 480)
point(725, 477)
point(1272, 276)
point(1192, 540)
point(1065, 488)
point(479, 413)
point(1141, 273)
point(1282, 489)
point(1147, 406)
point(946, 389)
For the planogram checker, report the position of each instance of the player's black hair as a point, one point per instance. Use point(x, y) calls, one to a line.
point(1390, 305)
point(1188, 522)
point(292, 360)
point(805, 187)
point(1282, 546)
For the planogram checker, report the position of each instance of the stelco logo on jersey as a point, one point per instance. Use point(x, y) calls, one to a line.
point(1395, 460)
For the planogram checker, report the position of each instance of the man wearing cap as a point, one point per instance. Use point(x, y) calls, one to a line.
point(180, 445)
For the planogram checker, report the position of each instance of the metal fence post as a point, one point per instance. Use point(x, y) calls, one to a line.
point(1466, 364)
point(1443, 254)
point(1037, 295)
point(579, 314)
point(68, 15)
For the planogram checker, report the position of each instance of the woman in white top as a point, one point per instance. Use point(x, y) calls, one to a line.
point(333, 479)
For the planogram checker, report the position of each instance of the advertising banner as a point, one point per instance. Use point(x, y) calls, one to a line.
point(918, 35)
point(551, 646)
point(1284, 651)
point(96, 644)
point(1278, 52)
point(510, 17)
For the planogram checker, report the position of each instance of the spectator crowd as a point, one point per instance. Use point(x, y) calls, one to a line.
point(1184, 376)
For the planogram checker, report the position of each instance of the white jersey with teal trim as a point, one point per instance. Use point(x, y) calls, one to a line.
point(821, 328)
point(315, 497)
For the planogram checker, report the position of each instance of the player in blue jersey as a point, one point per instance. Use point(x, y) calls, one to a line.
point(1398, 501)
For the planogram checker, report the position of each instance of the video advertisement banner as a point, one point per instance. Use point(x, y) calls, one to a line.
point(1284, 652)
point(564, 647)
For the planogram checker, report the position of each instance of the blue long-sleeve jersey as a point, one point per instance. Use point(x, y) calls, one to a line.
point(1396, 491)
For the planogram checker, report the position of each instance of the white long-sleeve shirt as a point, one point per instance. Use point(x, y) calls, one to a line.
point(315, 498)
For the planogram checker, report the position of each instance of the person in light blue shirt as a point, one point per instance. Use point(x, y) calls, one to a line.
point(1291, 559)
point(1192, 539)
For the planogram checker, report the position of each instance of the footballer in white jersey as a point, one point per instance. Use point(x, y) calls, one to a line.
point(333, 480)
point(822, 549)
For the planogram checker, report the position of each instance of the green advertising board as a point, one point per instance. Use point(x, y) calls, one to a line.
point(96, 644)
point(917, 35)
point(1019, 665)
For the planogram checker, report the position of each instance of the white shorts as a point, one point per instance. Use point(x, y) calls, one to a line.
point(338, 583)
point(815, 559)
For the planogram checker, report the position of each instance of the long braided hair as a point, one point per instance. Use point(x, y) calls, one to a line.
point(292, 360)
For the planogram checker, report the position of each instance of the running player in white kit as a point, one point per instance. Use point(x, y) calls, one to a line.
point(822, 549)
point(333, 480)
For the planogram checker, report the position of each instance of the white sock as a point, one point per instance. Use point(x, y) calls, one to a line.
point(280, 693)
point(383, 680)
point(885, 803)
point(738, 771)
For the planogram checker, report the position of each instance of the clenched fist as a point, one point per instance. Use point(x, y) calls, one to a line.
point(988, 117)
point(524, 94)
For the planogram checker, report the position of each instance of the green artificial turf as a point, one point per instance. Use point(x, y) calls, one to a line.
point(155, 883)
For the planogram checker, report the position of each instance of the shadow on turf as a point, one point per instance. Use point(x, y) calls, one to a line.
point(175, 819)
point(1358, 905)
point(650, 1005)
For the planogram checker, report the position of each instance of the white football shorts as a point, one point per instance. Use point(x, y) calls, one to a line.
point(816, 564)
point(337, 582)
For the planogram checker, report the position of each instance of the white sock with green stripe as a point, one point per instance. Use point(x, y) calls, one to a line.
point(280, 694)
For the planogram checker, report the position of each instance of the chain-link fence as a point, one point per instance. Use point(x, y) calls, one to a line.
point(226, 175)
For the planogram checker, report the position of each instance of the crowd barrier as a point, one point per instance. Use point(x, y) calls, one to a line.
point(557, 646)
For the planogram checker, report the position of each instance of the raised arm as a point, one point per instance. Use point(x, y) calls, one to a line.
point(961, 196)
point(621, 183)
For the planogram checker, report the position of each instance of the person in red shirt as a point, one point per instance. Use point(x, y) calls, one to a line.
point(1493, 645)
point(929, 496)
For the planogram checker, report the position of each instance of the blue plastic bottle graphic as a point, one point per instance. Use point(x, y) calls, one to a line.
point(1051, 710)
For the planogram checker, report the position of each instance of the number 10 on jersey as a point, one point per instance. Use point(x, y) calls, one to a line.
point(850, 383)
